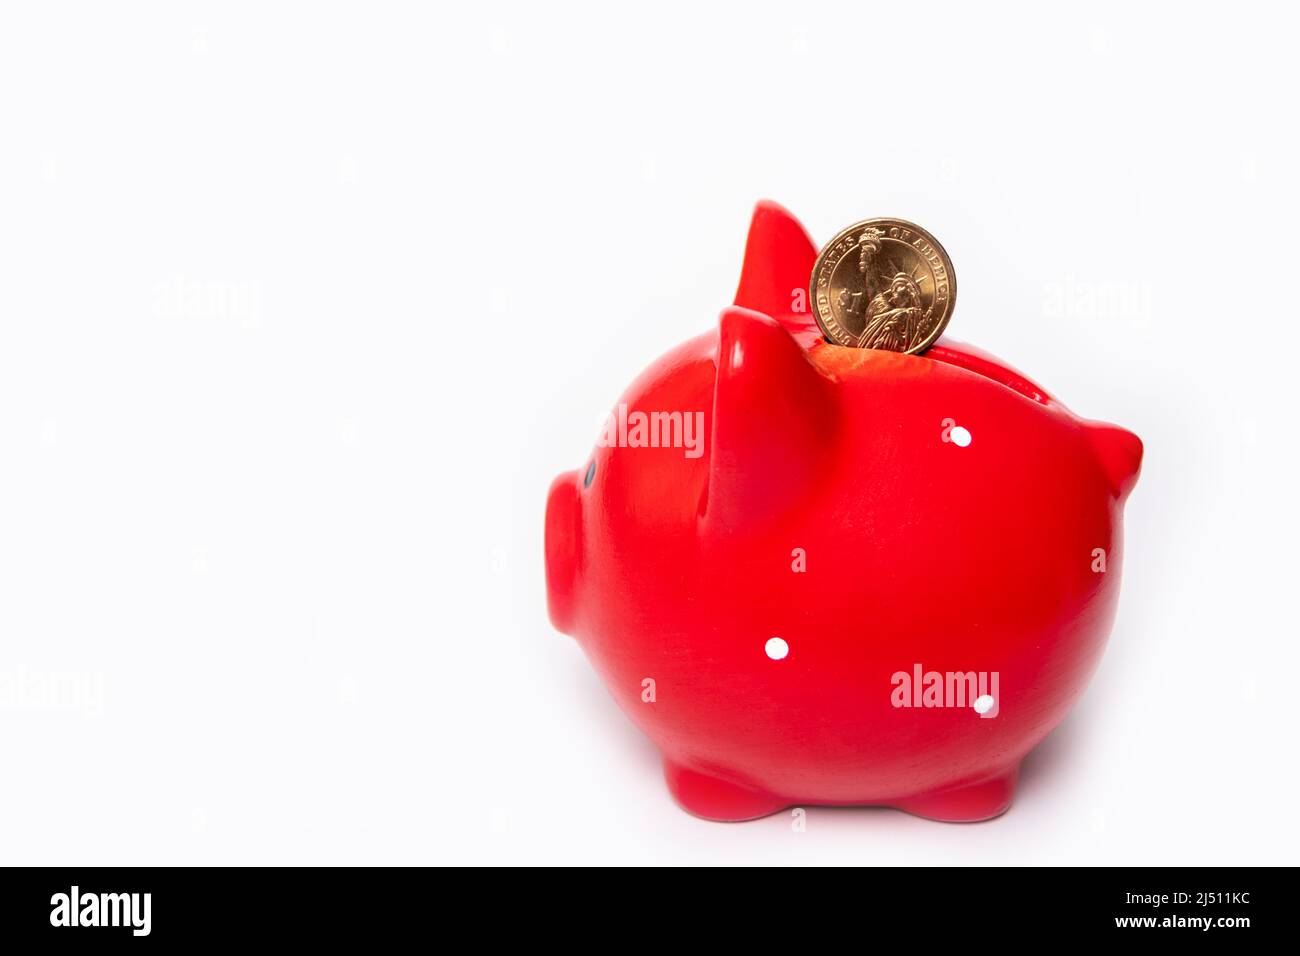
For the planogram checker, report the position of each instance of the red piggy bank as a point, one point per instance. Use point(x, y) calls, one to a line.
point(836, 576)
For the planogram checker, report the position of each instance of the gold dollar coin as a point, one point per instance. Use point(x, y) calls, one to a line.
point(883, 284)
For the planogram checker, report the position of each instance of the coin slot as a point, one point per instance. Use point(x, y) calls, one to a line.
point(992, 371)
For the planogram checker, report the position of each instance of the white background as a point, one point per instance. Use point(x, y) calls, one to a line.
point(302, 307)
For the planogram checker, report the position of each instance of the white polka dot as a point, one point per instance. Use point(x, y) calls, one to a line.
point(960, 436)
point(983, 704)
point(776, 648)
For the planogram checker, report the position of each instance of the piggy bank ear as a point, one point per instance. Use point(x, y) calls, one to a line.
point(774, 417)
point(779, 258)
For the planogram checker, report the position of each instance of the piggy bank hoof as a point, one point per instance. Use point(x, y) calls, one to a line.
point(979, 801)
point(714, 799)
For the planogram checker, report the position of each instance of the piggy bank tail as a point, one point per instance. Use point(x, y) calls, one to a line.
point(1120, 453)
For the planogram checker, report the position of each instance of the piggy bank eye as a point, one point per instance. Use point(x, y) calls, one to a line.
point(591, 474)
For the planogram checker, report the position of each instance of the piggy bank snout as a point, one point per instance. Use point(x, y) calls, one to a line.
point(563, 538)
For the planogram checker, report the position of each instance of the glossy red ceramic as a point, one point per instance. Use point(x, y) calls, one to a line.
point(873, 578)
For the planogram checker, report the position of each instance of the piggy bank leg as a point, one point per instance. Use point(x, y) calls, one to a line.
point(970, 804)
point(714, 799)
